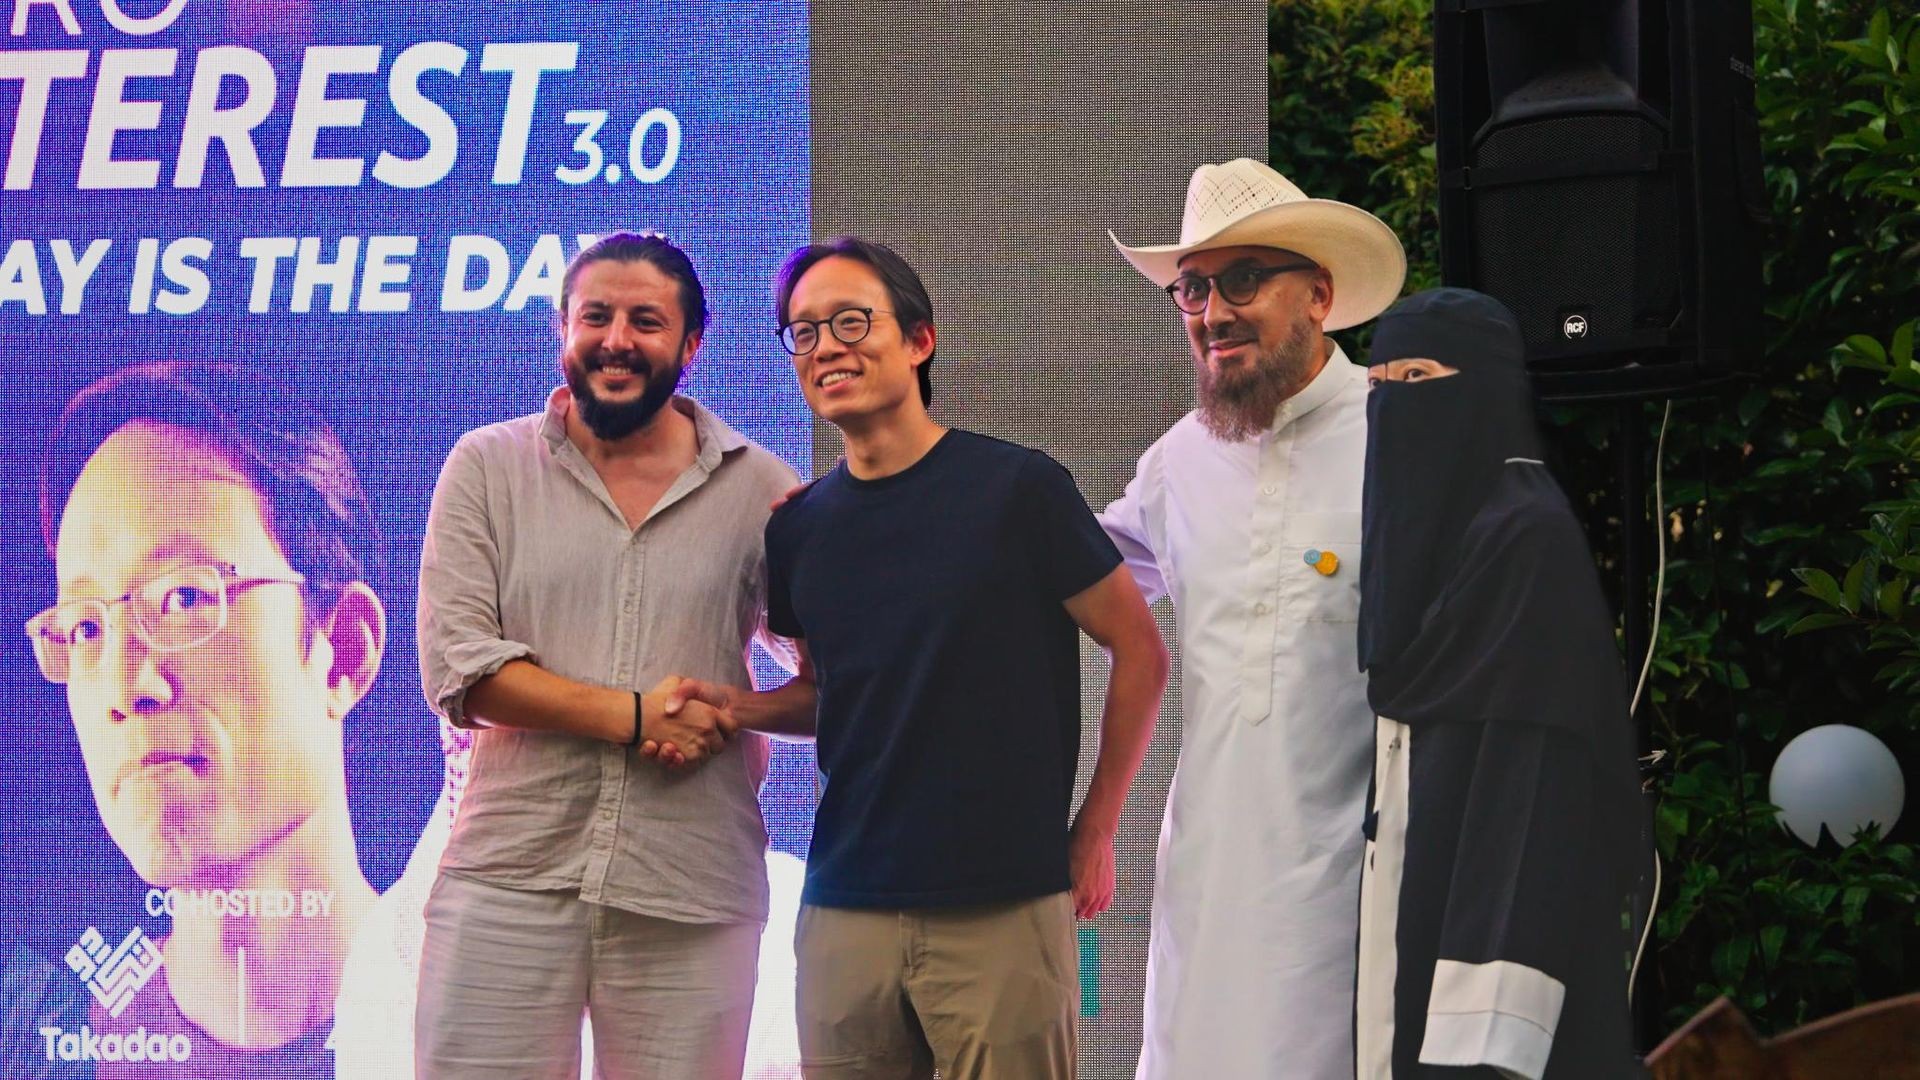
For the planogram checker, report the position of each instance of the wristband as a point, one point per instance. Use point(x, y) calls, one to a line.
point(638, 708)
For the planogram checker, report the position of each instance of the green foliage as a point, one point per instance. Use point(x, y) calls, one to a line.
point(1350, 99)
point(1791, 503)
point(1811, 526)
point(1746, 907)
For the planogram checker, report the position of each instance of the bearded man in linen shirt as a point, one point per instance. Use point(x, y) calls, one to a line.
point(1247, 515)
point(573, 557)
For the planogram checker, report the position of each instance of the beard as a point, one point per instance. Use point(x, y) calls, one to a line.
point(611, 420)
point(1239, 404)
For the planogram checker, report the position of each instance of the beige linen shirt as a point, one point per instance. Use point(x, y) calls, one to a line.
point(527, 556)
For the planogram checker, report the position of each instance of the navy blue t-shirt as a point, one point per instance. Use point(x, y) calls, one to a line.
point(948, 671)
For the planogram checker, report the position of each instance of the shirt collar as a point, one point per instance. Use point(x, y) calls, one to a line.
point(1334, 375)
point(716, 438)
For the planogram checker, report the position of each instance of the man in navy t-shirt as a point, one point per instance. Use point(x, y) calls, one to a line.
point(934, 580)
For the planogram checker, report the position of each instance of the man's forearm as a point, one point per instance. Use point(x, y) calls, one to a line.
point(1134, 688)
point(524, 695)
point(788, 712)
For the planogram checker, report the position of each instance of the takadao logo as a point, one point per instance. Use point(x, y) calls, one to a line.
point(136, 1045)
point(114, 975)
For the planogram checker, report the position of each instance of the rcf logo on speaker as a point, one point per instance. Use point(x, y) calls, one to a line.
point(1573, 327)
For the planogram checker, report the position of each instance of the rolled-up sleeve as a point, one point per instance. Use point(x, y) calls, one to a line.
point(778, 646)
point(460, 636)
point(1124, 520)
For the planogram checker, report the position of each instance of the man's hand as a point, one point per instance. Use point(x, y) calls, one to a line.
point(787, 496)
point(1090, 865)
point(717, 695)
point(684, 728)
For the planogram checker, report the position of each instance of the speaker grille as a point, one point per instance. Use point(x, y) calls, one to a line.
point(1584, 262)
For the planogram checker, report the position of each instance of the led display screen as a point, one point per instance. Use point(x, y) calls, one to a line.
point(370, 205)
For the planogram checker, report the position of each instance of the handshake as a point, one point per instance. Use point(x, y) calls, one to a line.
point(686, 721)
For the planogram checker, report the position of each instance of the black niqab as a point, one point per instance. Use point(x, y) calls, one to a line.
point(1435, 447)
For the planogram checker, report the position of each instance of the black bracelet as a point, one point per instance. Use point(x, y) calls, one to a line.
point(637, 711)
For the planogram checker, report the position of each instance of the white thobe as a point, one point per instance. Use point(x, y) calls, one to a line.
point(1256, 889)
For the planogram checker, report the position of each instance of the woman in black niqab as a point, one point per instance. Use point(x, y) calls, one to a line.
point(1502, 895)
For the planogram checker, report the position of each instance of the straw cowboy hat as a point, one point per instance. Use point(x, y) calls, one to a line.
point(1246, 202)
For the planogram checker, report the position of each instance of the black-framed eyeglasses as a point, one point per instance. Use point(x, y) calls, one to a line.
point(176, 611)
point(849, 325)
point(1237, 285)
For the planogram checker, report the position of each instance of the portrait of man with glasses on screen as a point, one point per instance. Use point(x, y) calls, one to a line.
point(212, 626)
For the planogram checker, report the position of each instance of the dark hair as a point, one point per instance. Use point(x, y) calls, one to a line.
point(911, 305)
point(651, 248)
point(316, 508)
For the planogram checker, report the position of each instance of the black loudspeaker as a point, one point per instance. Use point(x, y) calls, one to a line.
point(1600, 174)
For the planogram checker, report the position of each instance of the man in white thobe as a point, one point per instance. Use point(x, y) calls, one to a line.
point(1247, 514)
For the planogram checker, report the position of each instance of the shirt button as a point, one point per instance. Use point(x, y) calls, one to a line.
point(1262, 548)
point(1260, 608)
point(1266, 489)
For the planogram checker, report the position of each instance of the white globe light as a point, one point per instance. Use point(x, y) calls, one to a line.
point(1838, 776)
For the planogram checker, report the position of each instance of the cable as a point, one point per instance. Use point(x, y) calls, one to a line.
point(1633, 973)
point(1646, 665)
point(1739, 751)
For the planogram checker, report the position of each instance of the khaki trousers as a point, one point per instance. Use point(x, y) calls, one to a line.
point(984, 992)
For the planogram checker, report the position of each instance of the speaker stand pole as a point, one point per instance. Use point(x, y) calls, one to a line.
point(1630, 445)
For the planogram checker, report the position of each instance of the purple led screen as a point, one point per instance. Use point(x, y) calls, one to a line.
point(371, 204)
